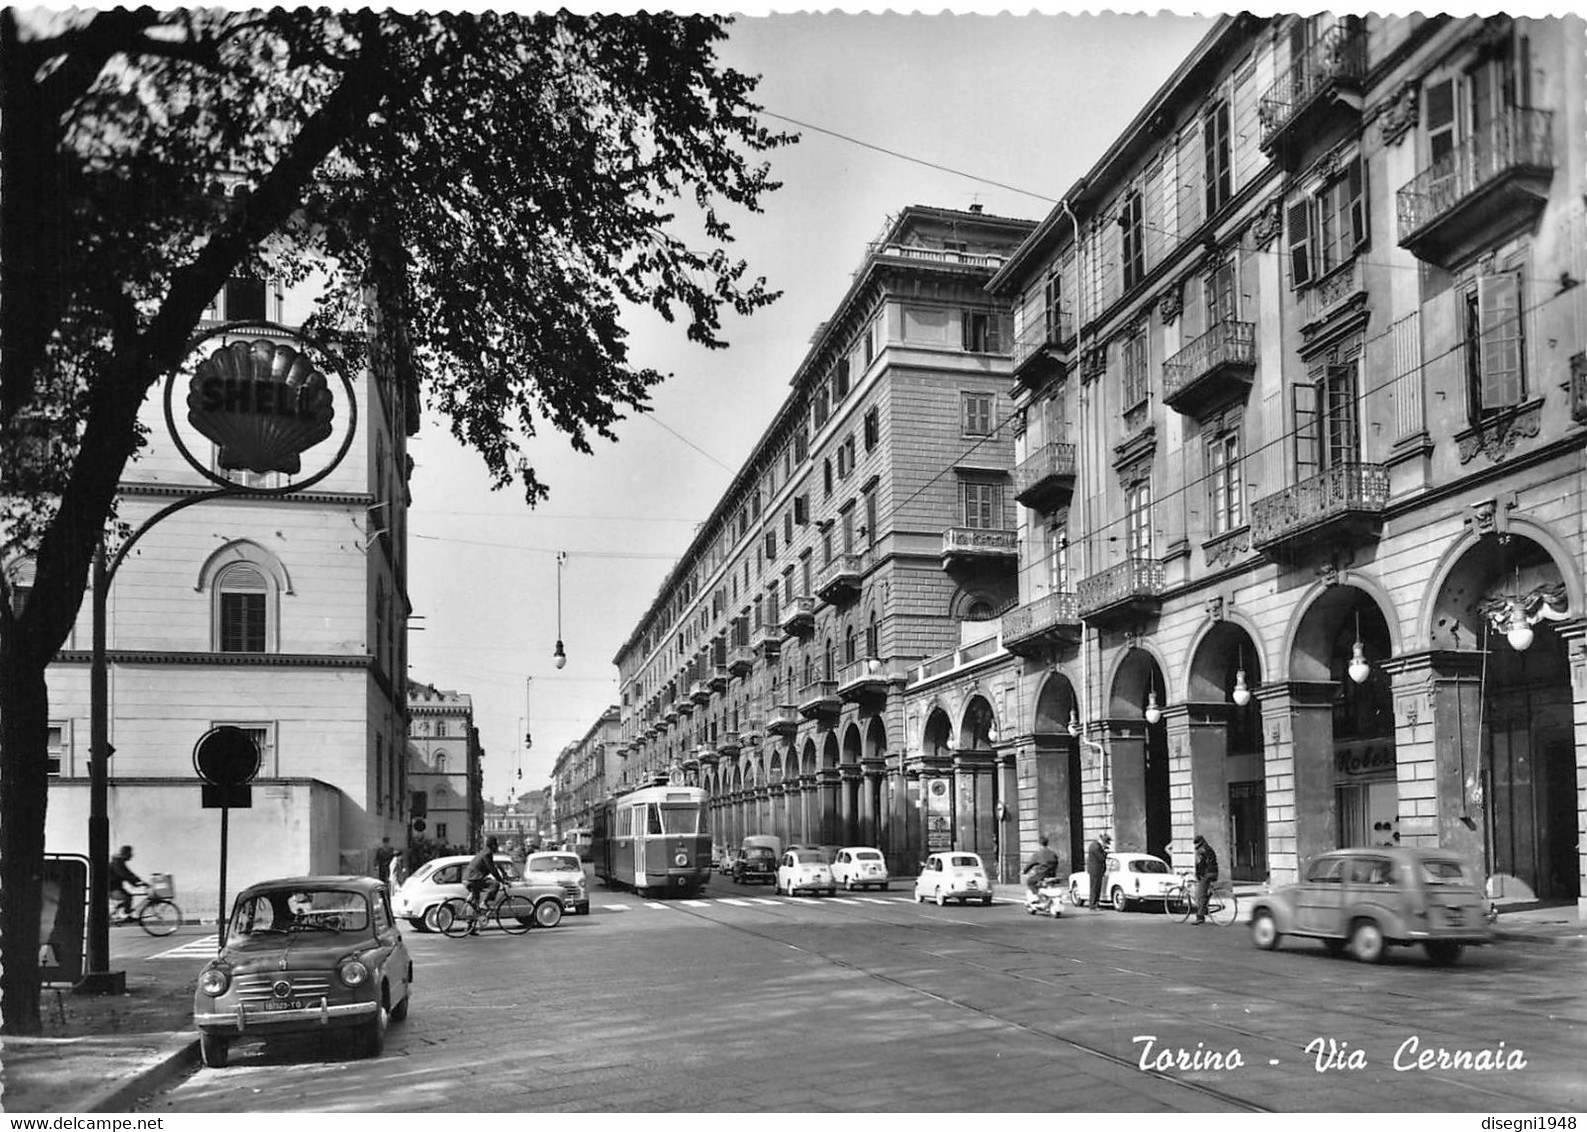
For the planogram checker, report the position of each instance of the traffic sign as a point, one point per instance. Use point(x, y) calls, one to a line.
point(226, 756)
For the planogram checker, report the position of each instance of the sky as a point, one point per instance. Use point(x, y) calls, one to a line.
point(1002, 111)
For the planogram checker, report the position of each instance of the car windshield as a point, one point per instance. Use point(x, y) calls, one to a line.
point(1443, 870)
point(681, 819)
point(759, 852)
point(552, 862)
point(1148, 865)
point(285, 911)
point(965, 861)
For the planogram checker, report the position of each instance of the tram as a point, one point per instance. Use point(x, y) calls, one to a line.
point(654, 840)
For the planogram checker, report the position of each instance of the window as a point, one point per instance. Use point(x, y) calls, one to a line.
point(871, 331)
point(1326, 231)
point(840, 380)
point(244, 298)
point(850, 646)
point(440, 832)
point(983, 505)
point(1226, 501)
point(1495, 345)
point(1132, 247)
point(873, 637)
point(1218, 292)
point(846, 456)
point(1137, 382)
point(820, 406)
point(869, 528)
point(56, 748)
point(826, 474)
point(1057, 559)
point(977, 414)
point(242, 595)
point(787, 526)
point(801, 445)
point(1215, 147)
point(847, 518)
point(1138, 519)
point(440, 729)
point(801, 511)
point(1052, 306)
point(771, 545)
point(984, 333)
point(873, 427)
point(826, 545)
point(1327, 430)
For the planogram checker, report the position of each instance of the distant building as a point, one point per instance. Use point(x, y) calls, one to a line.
point(444, 769)
point(585, 772)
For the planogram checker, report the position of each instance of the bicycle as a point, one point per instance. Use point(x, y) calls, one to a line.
point(1222, 904)
point(152, 910)
point(514, 914)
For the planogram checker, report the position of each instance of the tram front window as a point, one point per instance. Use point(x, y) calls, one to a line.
point(681, 819)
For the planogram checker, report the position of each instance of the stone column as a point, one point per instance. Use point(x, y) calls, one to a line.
point(1301, 809)
point(1438, 750)
point(873, 772)
point(1005, 817)
point(828, 782)
point(1043, 787)
point(1126, 764)
point(973, 819)
point(1198, 777)
point(849, 804)
point(1574, 633)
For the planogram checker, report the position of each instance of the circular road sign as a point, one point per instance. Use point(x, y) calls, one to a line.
point(226, 756)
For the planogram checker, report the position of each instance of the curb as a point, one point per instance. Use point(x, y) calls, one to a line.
point(1518, 936)
point(173, 1060)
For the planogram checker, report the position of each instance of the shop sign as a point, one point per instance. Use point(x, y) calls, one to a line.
point(1364, 760)
point(263, 403)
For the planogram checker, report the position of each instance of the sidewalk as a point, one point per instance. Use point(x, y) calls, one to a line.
point(99, 1054)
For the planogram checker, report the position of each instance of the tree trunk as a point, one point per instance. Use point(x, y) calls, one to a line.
point(24, 778)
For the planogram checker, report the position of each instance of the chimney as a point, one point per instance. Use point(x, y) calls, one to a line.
point(976, 207)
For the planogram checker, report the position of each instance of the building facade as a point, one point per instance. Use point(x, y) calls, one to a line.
point(872, 522)
point(445, 770)
point(284, 615)
point(1302, 395)
point(584, 770)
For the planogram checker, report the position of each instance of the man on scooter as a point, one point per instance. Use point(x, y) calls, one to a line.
point(1042, 864)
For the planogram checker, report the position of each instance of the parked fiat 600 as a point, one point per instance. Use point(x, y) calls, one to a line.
point(305, 954)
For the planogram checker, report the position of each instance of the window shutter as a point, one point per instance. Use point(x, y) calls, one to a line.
point(1306, 439)
point(1356, 182)
point(1300, 243)
point(1499, 307)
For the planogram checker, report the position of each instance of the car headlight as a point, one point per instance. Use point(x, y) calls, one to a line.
point(214, 981)
point(352, 972)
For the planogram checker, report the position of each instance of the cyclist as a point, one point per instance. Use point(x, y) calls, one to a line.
point(1206, 876)
point(121, 875)
point(482, 877)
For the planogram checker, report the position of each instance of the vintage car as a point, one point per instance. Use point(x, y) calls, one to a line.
point(803, 869)
point(434, 882)
point(1138, 879)
point(563, 869)
point(1367, 899)
point(757, 860)
point(860, 867)
point(305, 954)
point(953, 876)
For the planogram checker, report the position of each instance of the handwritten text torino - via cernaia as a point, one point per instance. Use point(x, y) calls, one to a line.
point(1331, 1054)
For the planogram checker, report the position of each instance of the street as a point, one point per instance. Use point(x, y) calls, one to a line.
point(869, 1002)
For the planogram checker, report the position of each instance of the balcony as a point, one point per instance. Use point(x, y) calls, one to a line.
point(1343, 505)
point(700, 692)
point(1042, 626)
point(1493, 184)
point(1039, 348)
point(728, 745)
point(819, 698)
point(1128, 591)
point(740, 660)
point(963, 546)
point(800, 617)
point(766, 640)
point(784, 720)
point(1214, 369)
point(869, 679)
point(683, 706)
point(839, 580)
point(670, 714)
point(1319, 95)
point(1046, 480)
point(1333, 297)
point(716, 677)
point(752, 731)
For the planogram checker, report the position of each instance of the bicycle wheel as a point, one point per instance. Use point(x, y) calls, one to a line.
point(1223, 907)
point(160, 916)
point(1182, 903)
point(454, 917)
point(515, 914)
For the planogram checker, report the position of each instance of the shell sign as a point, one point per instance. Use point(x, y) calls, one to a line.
point(263, 403)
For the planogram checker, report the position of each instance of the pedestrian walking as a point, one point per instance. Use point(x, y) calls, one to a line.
point(1206, 874)
point(1097, 866)
point(397, 871)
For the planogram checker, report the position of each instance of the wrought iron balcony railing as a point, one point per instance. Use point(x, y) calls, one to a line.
point(1133, 581)
point(1327, 505)
point(1226, 350)
point(1047, 478)
point(1503, 167)
point(1042, 337)
point(1337, 59)
point(1052, 617)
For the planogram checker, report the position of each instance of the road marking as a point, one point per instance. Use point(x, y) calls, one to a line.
point(613, 907)
point(764, 900)
point(842, 900)
point(877, 900)
point(735, 903)
point(652, 904)
point(695, 903)
point(202, 947)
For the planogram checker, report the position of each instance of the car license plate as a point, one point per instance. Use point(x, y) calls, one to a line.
point(289, 1003)
point(970, 884)
point(1455, 916)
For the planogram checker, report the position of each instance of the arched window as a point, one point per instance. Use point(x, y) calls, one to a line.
point(242, 609)
point(440, 763)
point(873, 637)
point(440, 728)
point(849, 655)
point(831, 661)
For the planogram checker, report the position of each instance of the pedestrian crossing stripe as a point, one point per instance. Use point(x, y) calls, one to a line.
point(742, 902)
point(877, 900)
point(202, 947)
point(842, 900)
point(735, 903)
point(695, 903)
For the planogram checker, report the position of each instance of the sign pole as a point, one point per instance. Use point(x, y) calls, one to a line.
point(220, 916)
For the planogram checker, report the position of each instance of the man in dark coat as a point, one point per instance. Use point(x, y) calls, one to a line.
point(1206, 873)
point(1097, 866)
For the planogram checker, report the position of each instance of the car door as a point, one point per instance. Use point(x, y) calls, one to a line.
point(1319, 900)
point(1370, 890)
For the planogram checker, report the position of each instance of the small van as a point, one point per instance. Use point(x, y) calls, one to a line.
point(757, 859)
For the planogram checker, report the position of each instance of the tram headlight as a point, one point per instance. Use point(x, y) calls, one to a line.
point(681, 859)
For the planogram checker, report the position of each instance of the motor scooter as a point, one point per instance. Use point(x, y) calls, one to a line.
point(1047, 900)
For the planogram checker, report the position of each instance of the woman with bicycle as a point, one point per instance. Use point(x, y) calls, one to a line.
point(121, 875)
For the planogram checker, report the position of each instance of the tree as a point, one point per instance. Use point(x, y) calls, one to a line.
point(504, 183)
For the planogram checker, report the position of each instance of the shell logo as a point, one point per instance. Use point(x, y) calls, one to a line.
point(263, 402)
